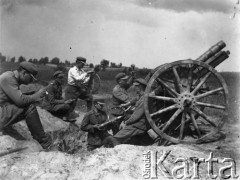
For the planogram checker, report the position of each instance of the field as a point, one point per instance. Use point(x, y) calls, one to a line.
point(124, 160)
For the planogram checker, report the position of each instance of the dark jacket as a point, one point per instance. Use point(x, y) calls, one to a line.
point(120, 96)
point(54, 96)
point(138, 118)
point(12, 100)
point(95, 137)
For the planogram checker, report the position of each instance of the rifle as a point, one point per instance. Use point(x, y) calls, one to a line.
point(113, 120)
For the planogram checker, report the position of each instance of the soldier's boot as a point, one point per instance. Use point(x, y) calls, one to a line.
point(35, 127)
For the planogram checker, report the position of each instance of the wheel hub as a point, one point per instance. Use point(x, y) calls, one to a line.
point(186, 100)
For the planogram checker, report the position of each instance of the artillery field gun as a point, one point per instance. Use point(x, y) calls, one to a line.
point(192, 105)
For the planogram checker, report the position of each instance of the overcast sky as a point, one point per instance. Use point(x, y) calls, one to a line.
point(147, 33)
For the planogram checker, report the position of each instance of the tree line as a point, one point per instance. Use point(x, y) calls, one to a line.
point(45, 60)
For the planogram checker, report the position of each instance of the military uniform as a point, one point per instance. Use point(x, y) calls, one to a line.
point(16, 106)
point(137, 124)
point(119, 96)
point(95, 136)
point(53, 101)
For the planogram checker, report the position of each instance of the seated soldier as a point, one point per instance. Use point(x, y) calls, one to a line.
point(137, 124)
point(120, 97)
point(16, 106)
point(90, 124)
point(54, 102)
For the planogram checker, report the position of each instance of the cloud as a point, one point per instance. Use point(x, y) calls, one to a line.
point(200, 6)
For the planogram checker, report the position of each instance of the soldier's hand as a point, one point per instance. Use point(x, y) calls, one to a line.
point(122, 125)
point(96, 126)
point(39, 94)
point(69, 101)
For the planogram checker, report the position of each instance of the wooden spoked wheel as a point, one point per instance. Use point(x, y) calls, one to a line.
point(186, 102)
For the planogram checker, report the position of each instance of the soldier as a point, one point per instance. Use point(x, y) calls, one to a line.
point(16, 106)
point(137, 124)
point(120, 97)
point(54, 102)
point(90, 124)
point(77, 86)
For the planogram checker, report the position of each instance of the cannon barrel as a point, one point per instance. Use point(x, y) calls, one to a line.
point(214, 61)
point(218, 58)
point(212, 51)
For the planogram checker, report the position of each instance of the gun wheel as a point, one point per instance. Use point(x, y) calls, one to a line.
point(186, 102)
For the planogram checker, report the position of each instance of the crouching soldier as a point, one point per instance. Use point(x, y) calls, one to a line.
point(91, 122)
point(137, 124)
point(16, 106)
point(54, 102)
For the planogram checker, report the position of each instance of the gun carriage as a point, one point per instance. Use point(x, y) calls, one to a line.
point(192, 104)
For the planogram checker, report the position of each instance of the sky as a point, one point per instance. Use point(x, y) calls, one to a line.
point(146, 33)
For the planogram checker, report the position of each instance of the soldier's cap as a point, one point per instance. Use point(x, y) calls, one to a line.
point(81, 59)
point(140, 81)
point(121, 76)
point(30, 68)
point(58, 74)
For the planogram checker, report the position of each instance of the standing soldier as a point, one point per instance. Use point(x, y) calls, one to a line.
point(78, 84)
point(54, 102)
point(90, 124)
point(120, 97)
point(16, 106)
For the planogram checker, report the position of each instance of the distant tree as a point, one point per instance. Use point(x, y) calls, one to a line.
point(2, 59)
point(55, 60)
point(21, 59)
point(67, 62)
point(12, 59)
point(44, 60)
point(113, 65)
point(35, 61)
point(91, 65)
point(30, 60)
point(120, 65)
point(104, 63)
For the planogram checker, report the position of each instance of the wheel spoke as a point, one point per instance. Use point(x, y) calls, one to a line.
point(182, 125)
point(174, 116)
point(209, 93)
point(201, 83)
point(190, 79)
point(164, 110)
point(204, 116)
point(195, 125)
point(163, 98)
point(178, 82)
point(171, 91)
point(210, 105)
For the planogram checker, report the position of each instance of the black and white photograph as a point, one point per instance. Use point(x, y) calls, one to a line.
point(119, 89)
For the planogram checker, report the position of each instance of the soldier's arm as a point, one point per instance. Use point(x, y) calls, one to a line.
point(11, 88)
point(86, 126)
point(124, 98)
point(51, 96)
point(137, 114)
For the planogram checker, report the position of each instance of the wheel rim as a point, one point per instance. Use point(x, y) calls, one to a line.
point(185, 108)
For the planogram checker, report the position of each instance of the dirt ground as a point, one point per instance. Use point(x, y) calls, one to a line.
point(121, 162)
